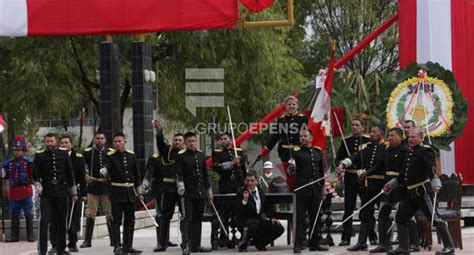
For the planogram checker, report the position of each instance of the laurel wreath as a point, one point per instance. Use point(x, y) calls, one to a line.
point(436, 74)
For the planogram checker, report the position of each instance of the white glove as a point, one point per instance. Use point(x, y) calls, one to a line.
point(227, 165)
point(347, 162)
point(38, 188)
point(4, 173)
point(143, 189)
point(181, 190)
point(103, 171)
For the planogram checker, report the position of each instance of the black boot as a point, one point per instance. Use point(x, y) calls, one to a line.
point(162, 236)
point(128, 231)
point(445, 237)
point(384, 237)
point(361, 244)
point(88, 235)
point(115, 230)
point(29, 229)
point(15, 232)
point(403, 241)
point(244, 240)
point(414, 236)
point(345, 239)
point(109, 229)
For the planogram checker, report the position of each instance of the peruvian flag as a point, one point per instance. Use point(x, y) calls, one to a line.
point(322, 107)
point(2, 124)
point(442, 31)
point(103, 17)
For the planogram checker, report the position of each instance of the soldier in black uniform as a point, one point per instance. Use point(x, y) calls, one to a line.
point(408, 126)
point(286, 133)
point(308, 167)
point(193, 184)
point(394, 159)
point(231, 170)
point(122, 169)
point(97, 187)
point(161, 172)
point(54, 180)
point(352, 185)
point(418, 178)
point(372, 153)
point(164, 183)
point(255, 216)
point(79, 177)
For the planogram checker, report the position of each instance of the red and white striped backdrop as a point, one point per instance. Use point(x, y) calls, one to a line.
point(443, 31)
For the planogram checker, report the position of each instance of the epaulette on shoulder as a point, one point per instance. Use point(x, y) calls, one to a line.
point(296, 148)
point(181, 151)
point(300, 114)
point(366, 135)
point(88, 149)
point(217, 150)
point(39, 151)
point(156, 154)
point(62, 149)
point(316, 147)
point(110, 149)
point(79, 155)
point(111, 152)
point(238, 149)
point(131, 152)
point(347, 137)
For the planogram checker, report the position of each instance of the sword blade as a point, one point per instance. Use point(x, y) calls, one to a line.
point(70, 215)
point(316, 220)
point(308, 184)
point(82, 218)
point(362, 207)
point(220, 220)
point(434, 209)
point(149, 214)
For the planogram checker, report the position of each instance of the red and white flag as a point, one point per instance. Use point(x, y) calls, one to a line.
point(102, 17)
point(321, 109)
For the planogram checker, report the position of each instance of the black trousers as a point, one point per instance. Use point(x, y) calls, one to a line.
point(165, 205)
point(352, 189)
point(75, 225)
point(262, 231)
point(125, 211)
point(366, 215)
point(192, 221)
point(306, 205)
point(53, 209)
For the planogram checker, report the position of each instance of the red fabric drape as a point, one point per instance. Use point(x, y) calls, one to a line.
point(406, 32)
point(59, 17)
point(462, 20)
point(257, 5)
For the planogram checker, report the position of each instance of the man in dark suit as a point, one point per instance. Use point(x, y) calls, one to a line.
point(255, 216)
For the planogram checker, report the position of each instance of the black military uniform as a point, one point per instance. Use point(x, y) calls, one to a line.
point(162, 174)
point(287, 133)
point(352, 184)
point(230, 181)
point(192, 171)
point(53, 169)
point(309, 167)
point(164, 188)
point(392, 164)
point(124, 176)
point(79, 175)
point(417, 171)
point(370, 155)
point(254, 220)
point(97, 192)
